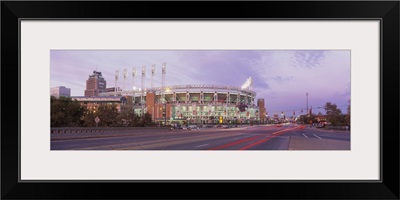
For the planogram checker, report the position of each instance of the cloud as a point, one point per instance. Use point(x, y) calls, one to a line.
point(225, 67)
point(281, 77)
point(308, 59)
point(325, 75)
point(282, 80)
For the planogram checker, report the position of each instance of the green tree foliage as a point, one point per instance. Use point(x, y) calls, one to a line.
point(64, 112)
point(334, 115)
point(348, 115)
point(127, 117)
point(89, 119)
point(108, 115)
point(307, 119)
point(146, 120)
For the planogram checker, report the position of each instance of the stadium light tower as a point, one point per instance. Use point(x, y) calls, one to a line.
point(133, 78)
point(142, 88)
point(164, 71)
point(153, 71)
point(116, 81)
point(125, 75)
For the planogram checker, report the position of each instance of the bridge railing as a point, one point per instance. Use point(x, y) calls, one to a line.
point(345, 128)
point(66, 130)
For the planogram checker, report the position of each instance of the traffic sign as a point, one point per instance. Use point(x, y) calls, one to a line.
point(97, 119)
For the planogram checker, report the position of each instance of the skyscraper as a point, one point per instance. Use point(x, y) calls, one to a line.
point(95, 84)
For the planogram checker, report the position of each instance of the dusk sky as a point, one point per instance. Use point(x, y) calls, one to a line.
point(281, 77)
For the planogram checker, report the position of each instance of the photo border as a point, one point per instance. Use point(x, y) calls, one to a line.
point(387, 12)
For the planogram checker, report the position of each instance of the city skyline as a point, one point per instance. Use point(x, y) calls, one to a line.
point(281, 77)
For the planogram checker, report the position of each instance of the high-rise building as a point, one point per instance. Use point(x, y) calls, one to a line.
point(60, 91)
point(263, 112)
point(95, 84)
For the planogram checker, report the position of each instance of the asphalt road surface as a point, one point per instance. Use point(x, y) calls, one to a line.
point(287, 137)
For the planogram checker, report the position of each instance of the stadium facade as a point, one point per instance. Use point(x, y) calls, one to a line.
point(204, 104)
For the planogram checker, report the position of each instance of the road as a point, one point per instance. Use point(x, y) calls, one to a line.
point(287, 137)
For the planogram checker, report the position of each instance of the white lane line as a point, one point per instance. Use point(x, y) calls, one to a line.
point(305, 136)
point(201, 145)
point(317, 136)
point(235, 138)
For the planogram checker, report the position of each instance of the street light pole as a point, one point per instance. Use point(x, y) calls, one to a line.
point(307, 102)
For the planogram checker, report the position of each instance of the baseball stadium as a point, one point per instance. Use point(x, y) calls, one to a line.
point(195, 103)
point(184, 104)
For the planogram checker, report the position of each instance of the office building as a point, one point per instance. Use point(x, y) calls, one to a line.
point(95, 84)
point(60, 91)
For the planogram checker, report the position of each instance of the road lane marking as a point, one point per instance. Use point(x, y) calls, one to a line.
point(236, 138)
point(317, 136)
point(305, 136)
point(203, 145)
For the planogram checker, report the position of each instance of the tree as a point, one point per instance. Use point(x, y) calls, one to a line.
point(127, 117)
point(348, 115)
point(306, 119)
point(146, 120)
point(89, 118)
point(65, 112)
point(334, 115)
point(108, 115)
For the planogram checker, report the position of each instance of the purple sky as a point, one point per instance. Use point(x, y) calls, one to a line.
point(282, 77)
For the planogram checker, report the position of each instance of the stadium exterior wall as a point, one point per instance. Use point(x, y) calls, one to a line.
point(195, 104)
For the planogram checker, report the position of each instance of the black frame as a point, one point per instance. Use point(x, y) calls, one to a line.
point(386, 11)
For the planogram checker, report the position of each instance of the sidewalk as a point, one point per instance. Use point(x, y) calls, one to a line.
point(327, 130)
point(303, 143)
